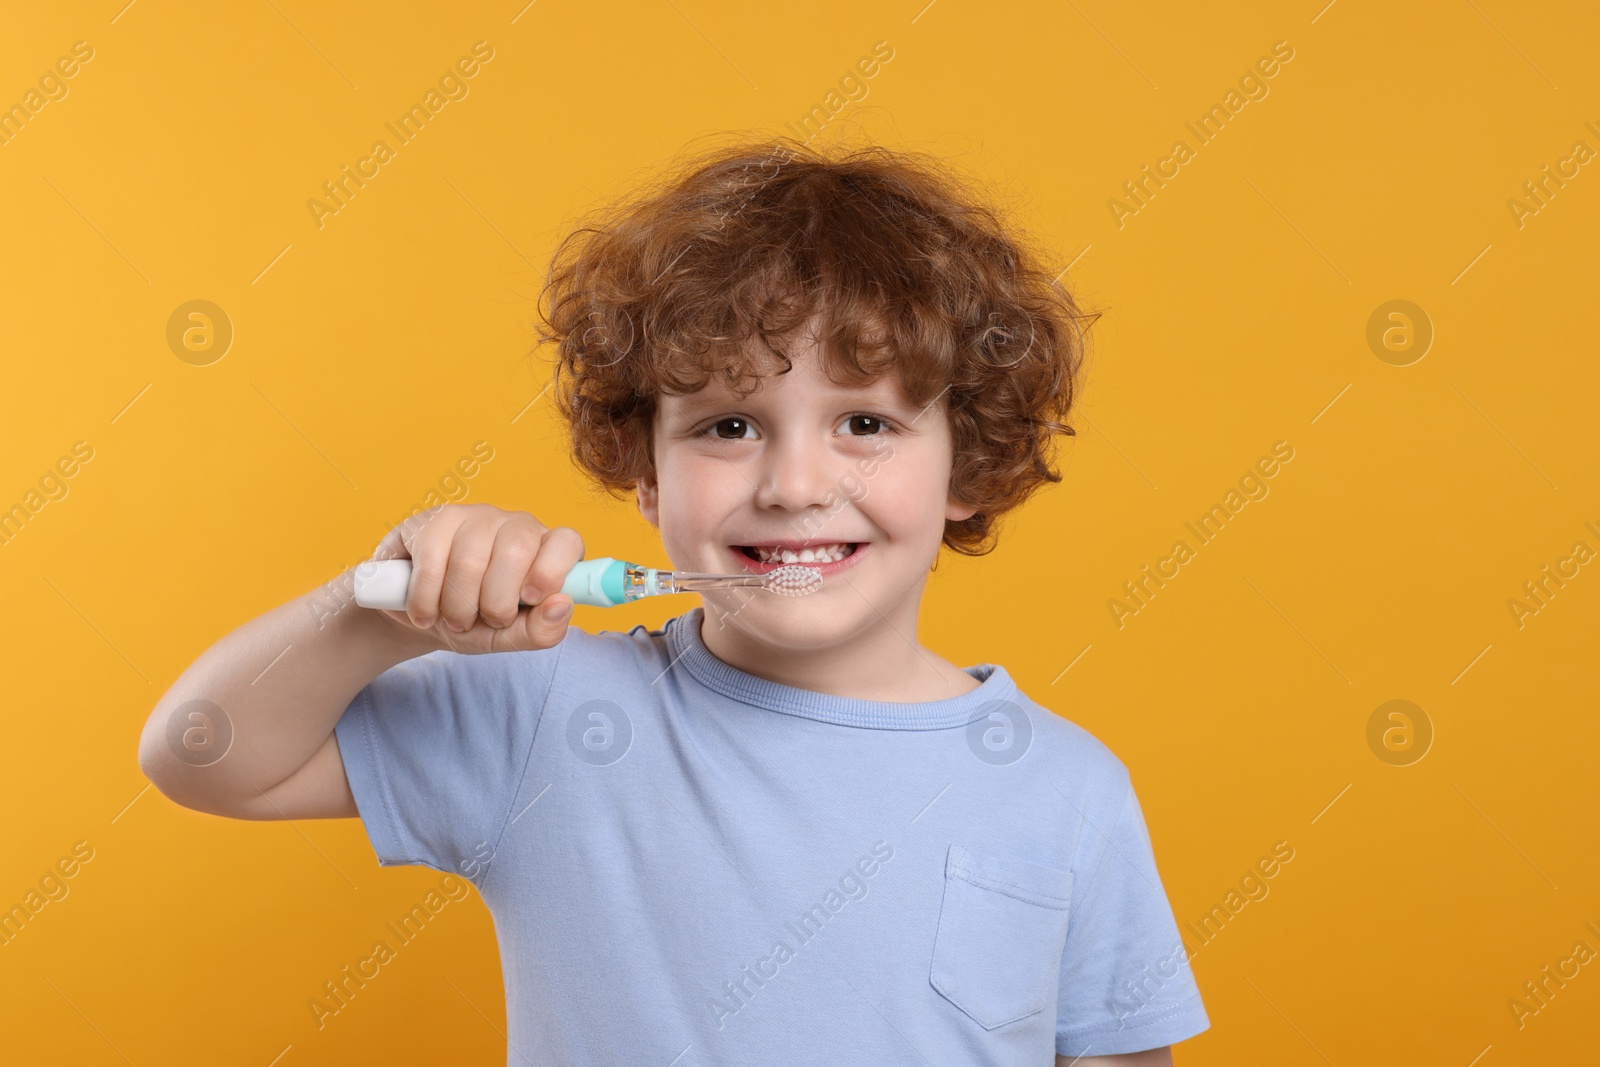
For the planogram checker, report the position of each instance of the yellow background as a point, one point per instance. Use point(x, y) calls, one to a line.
point(370, 354)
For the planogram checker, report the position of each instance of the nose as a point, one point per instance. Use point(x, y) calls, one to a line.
point(796, 473)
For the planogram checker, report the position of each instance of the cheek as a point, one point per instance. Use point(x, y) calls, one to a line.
point(694, 490)
point(907, 495)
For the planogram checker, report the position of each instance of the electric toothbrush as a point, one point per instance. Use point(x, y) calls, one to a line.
point(600, 583)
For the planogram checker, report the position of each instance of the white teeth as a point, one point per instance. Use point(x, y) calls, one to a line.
point(818, 554)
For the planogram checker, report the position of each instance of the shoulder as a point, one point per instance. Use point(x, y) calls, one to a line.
point(1072, 771)
point(1064, 793)
point(613, 653)
point(578, 652)
point(1067, 750)
point(639, 640)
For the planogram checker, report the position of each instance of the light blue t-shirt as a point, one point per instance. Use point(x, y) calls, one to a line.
point(690, 865)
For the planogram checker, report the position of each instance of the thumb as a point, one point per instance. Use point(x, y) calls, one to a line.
point(393, 546)
point(544, 625)
point(396, 544)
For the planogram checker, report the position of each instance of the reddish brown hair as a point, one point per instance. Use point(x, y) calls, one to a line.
point(910, 272)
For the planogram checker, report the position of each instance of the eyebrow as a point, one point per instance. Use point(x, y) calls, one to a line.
point(888, 398)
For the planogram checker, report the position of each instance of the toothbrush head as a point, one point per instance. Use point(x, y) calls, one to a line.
point(794, 580)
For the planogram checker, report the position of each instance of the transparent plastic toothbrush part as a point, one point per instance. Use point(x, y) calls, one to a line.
point(793, 580)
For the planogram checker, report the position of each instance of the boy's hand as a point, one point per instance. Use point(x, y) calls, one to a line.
point(470, 565)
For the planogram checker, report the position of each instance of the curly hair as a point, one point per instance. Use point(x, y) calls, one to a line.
point(907, 271)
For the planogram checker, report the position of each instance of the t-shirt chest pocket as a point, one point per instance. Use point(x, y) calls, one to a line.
point(1002, 930)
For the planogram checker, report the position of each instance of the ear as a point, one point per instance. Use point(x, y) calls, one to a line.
point(958, 512)
point(649, 501)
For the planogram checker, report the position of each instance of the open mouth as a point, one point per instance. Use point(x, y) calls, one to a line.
point(826, 558)
point(816, 554)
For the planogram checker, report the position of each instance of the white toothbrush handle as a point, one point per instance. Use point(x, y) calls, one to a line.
point(385, 583)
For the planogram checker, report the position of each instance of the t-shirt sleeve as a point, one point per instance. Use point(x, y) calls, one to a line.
point(435, 749)
point(1126, 985)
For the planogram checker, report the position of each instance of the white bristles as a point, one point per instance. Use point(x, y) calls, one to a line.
point(794, 580)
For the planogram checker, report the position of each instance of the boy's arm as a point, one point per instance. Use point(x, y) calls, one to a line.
point(281, 682)
point(1125, 984)
point(1155, 1057)
point(270, 693)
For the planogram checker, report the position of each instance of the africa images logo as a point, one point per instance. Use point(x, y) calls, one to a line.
point(1001, 734)
point(599, 732)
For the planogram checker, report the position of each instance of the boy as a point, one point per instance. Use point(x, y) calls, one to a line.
point(776, 830)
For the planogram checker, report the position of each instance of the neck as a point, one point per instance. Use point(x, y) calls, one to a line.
point(885, 661)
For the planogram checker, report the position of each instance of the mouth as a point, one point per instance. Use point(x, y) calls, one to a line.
point(825, 558)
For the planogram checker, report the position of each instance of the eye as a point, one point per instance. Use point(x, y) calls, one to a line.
point(867, 422)
point(738, 423)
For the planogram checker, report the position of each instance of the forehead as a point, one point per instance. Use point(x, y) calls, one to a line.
point(804, 383)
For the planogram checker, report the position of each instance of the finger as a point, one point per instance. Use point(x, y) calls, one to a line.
point(542, 626)
point(516, 544)
point(395, 543)
point(559, 549)
point(391, 547)
point(429, 549)
point(463, 577)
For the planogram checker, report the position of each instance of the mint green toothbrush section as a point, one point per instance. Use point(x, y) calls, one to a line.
point(599, 583)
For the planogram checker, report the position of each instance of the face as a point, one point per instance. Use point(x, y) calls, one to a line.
point(803, 464)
